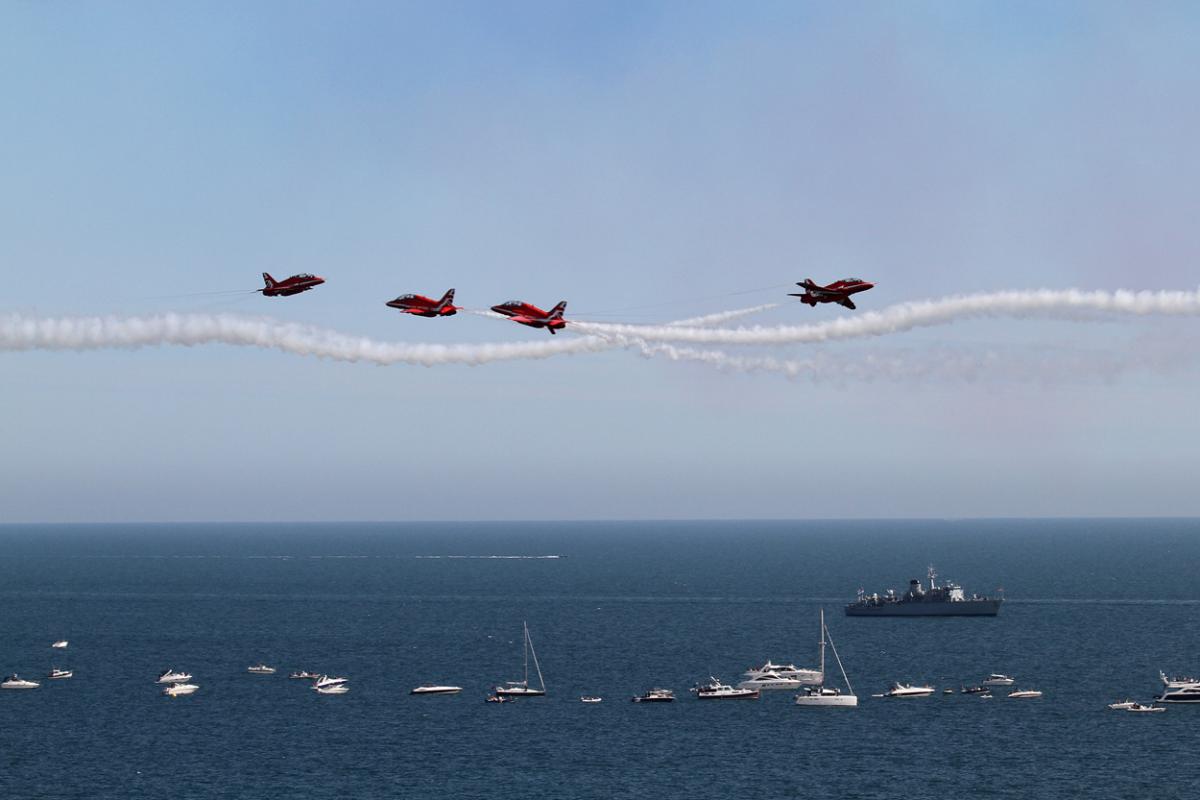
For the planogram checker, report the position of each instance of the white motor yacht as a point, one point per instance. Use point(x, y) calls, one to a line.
point(723, 691)
point(656, 696)
point(1177, 682)
point(996, 679)
point(808, 677)
point(57, 674)
point(1188, 693)
point(261, 669)
point(60, 644)
point(17, 682)
point(170, 676)
point(1025, 694)
point(337, 688)
point(770, 680)
point(826, 695)
point(324, 680)
point(180, 689)
point(431, 689)
point(906, 690)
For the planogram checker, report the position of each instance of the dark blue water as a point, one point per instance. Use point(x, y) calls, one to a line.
point(1095, 609)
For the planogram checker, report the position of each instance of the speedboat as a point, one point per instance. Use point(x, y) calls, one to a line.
point(180, 689)
point(1124, 705)
point(805, 676)
point(996, 679)
point(590, 699)
point(436, 690)
point(17, 682)
point(60, 644)
point(1025, 694)
point(337, 688)
point(174, 677)
point(324, 680)
point(723, 691)
point(302, 675)
point(1138, 708)
point(261, 669)
point(769, 680)
point(906, 690)
point(1188, 693)
point(57, 674)
point(656, 696)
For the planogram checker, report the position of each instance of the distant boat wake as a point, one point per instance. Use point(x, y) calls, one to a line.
point(671, 341)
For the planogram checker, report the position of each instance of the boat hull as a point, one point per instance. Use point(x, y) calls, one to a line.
point(962, 608)
point(836, 701)
point(520, 692)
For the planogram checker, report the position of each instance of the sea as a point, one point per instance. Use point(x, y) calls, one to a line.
point(1093, 610)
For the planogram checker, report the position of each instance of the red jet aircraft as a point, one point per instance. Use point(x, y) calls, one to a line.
point(837, 292)
point(293, 285)
point(534, 317)
point(422, 306)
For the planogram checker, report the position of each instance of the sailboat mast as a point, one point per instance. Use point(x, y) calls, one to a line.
point(822, 647)
point(525, 644)
point(849, 688)
point(536, 665)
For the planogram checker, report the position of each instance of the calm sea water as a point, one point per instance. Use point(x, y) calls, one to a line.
point(1095, 609)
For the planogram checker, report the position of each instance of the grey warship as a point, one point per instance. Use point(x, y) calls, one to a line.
point(947, 600)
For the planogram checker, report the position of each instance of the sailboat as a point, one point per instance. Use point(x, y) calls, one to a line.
point(522, 688)
point(823, 695)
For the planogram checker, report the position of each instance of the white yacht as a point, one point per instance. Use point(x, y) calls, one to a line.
point(433, 689)
point(1025, 694)
point(656, 696)
point(1188, 693)
point(169, 676)
point(906, 690)
point(723, 691)
point(996, 679)
point(180, 689)
point(522, 688)
point(57, 674)
point(825, 695)
point(60, 644)
point(17, 682)
point(261, 669)
point(324, 681)
point(770, 680)
point(810, 677)
point(337, 688)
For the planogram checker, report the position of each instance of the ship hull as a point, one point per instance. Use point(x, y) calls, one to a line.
point(965, 608)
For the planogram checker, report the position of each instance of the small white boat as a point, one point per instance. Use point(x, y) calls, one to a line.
point(1025, 694)
point(324, 680)
point(57, 674)
point(827, 696)
point(170, 676)
point(656, 696)
point(996, 679)
point(723, 691)
point(436, 690)
point(1124, 705)
point(180, 689)
point(60, 644)
point(17, 682)
point(590, 699)
point(1138, 708)
point(906, 690)
point(261, 669)
point(302, 675)
point(337, 688)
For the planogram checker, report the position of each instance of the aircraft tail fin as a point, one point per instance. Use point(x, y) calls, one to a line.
point(447, 299)
point(557, 311)
point(268, 280)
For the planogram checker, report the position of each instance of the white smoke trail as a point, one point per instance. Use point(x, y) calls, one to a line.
point(907, 316)
point(721, 316)
point(19, 332)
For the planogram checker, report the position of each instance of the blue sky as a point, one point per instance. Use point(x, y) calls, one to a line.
point(618, 155)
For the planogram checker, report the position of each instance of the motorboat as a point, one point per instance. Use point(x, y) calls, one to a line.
point(906, 690)
point(947, 691)
point(323, 681)
point(436, 690)
point(522, 688)
point(996, 679)
point(723, 691)
point(770, 681)
point(1138, 708)
point(57, 674)
point(17, 682)
point(302, 675)
point(180, 689)
point(1024, 694)
point(823, 695)
point(656, 696)
point(1188, 693)
point(810, 677)
point(261, 669)
point(1124, 705)
point(590, 699)
point(170, 676)
point(61, 644)
point(974, 690)
point(337, 688)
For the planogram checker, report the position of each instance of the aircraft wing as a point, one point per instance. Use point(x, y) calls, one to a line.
point(848, 303)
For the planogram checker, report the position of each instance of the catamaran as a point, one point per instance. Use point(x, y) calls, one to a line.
point(822, 695)
point(522, 688)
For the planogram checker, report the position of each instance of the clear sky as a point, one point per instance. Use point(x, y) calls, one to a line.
point(656, 158)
